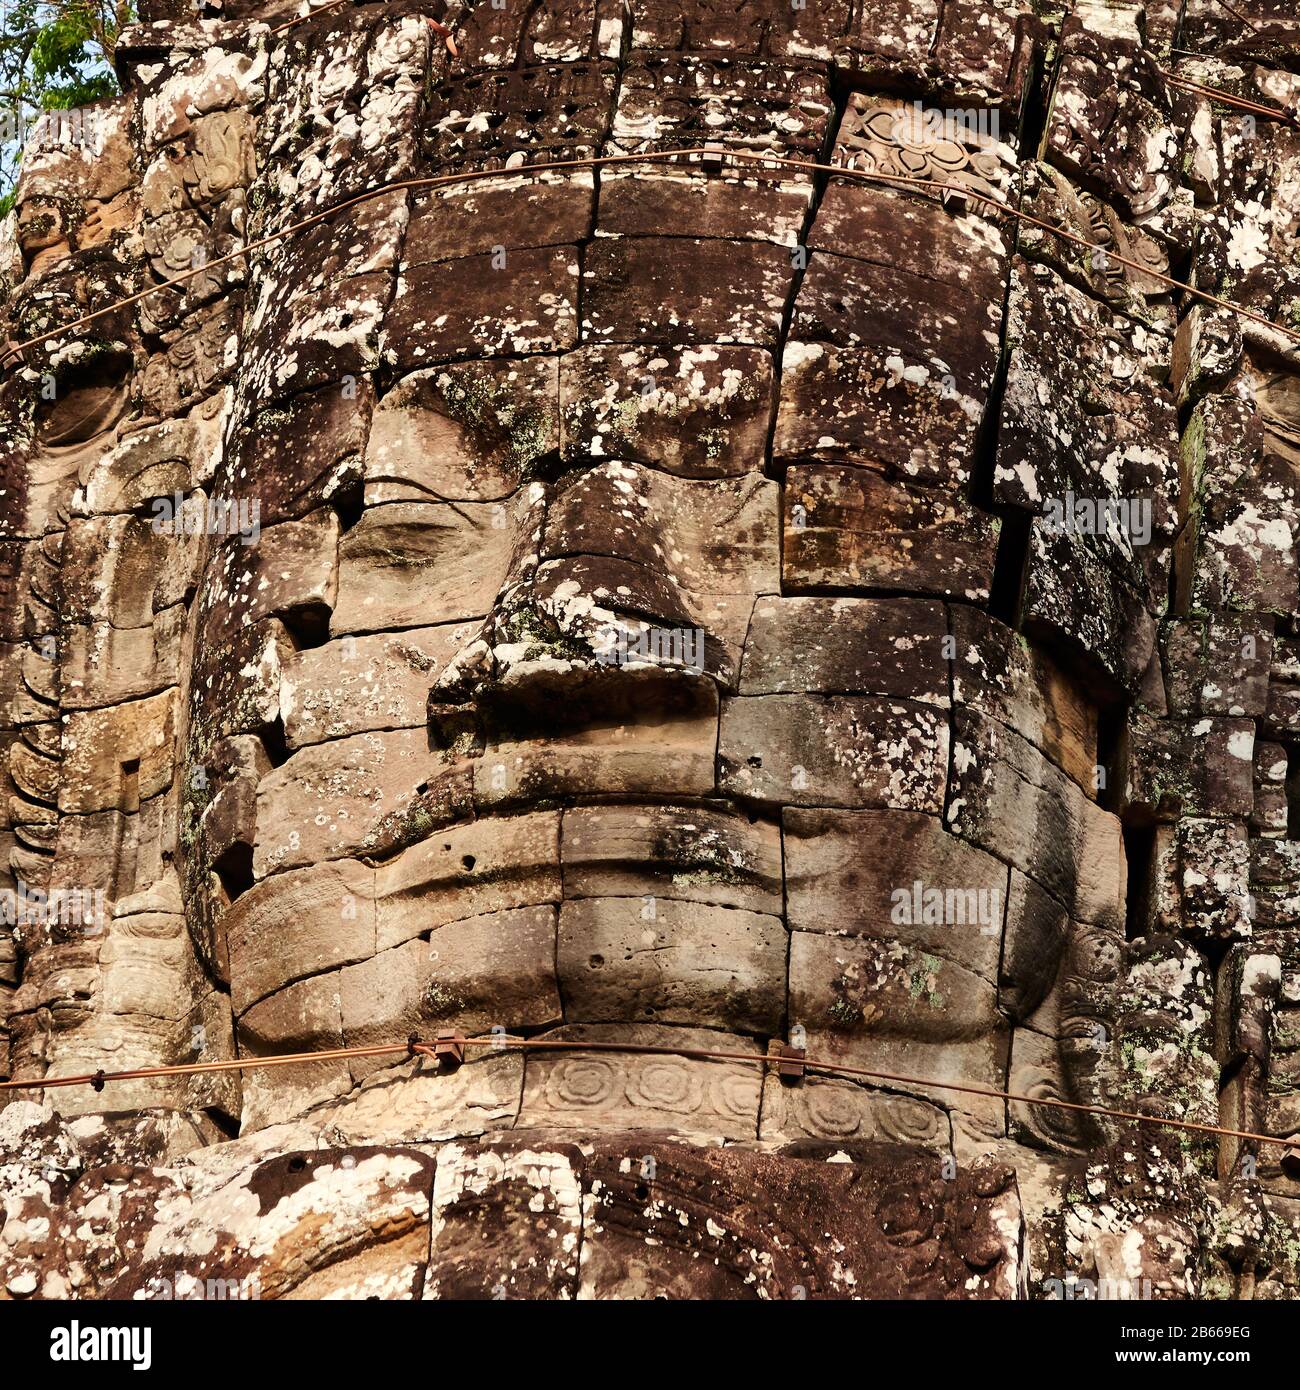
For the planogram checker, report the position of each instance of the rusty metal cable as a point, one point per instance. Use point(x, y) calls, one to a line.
point(499, 1042)
point(1237, 14)
point(1226, 98)
point(311, 14)
point(776, 162)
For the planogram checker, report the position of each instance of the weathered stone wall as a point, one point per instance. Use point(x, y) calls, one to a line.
point(349, 747)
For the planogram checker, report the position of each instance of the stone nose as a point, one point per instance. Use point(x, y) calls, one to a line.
point(638, 589)
point(588, 557)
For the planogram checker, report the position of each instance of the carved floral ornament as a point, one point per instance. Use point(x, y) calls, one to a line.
point(907, 139)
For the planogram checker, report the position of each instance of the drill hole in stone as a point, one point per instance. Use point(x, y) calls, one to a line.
point(131, 785)
point(276, 743)
point(349, 504)
point(234, 870)
point(308, 626)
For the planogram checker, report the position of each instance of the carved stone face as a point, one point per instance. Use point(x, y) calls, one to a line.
point(581, 685)
point(656, 607)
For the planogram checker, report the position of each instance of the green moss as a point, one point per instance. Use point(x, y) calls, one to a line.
point(844, 1014)
point(194, 801)
point(543, 635)
point(627, 416)
point(919, 982)
point(441, 1002)
point(492, 410)
point(406, 826)
point(272, 419)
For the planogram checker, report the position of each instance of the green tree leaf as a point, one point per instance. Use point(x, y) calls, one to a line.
point(53, 57)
